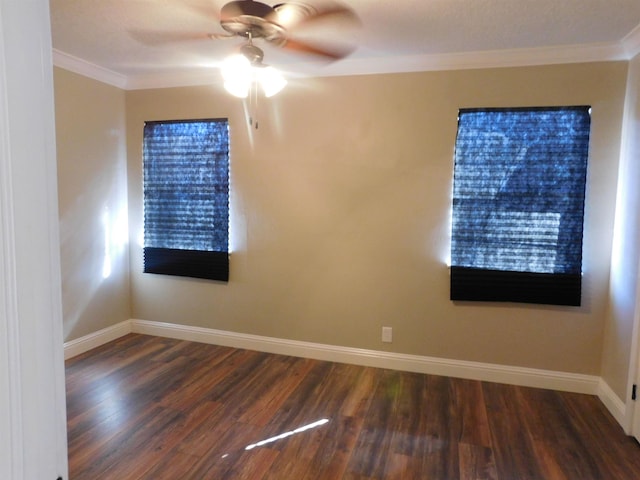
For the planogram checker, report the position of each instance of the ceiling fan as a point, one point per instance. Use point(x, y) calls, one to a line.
point(278, 25)
point(251, 19)
point(314, 29)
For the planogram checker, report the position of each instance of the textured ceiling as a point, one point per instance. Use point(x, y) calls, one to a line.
point(140, 39)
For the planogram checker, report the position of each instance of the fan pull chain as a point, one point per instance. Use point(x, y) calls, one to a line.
point(253, 92)
point(253, 105)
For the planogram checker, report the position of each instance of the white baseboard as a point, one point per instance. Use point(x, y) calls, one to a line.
point(614, 404)
point(529, 377)
point(95, 339)
point(373, 358)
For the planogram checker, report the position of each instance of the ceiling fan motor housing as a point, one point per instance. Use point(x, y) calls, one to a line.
point(250, 19)
point(252, 53)
point(277, 25)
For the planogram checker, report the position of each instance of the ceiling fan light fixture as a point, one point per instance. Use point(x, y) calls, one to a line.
point(240, 72)
point(240, 90)
point(271, 80)
point(237, 75)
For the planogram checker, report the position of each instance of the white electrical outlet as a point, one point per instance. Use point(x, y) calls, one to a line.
point(387, 334)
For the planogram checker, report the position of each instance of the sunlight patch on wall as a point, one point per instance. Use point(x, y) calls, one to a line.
point(115, 238)
point(106, 226)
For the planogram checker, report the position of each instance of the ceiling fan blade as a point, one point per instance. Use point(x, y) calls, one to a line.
point(295, 15)
point(326, 52)
point(221, 36)
point(204, 11)
point(315, 29)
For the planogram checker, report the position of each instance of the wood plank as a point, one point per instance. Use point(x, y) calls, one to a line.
point(512, 446)
point(373, 446)
point(477, 463)
point(440, 428)
point(561, 448)
point(294, 370)
point(333, 455)
point(614, 453)
point(469, 401)
point(301, 455)
point(221, 450)
point(152, 408)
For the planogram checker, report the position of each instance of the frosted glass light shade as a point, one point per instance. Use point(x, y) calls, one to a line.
point(239, 74)
point(271, 80)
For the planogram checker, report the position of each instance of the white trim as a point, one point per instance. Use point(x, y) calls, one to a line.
point(631, 43)
point(529, 377)
point(11, 432)
point(96, 339)
point(87, 69)
point(523, 57)
point(623, 210)
point(34, 438)
point(613, 402)
point(632, 423)
point(373, 358)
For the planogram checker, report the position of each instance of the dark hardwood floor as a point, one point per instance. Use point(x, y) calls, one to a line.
point(144, 407)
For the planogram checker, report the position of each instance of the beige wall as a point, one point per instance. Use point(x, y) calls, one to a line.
point(619, 333)
point(340, 215)
point(92, 186)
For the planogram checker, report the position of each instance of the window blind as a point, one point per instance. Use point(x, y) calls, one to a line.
point(186, 198)
point(518, 204)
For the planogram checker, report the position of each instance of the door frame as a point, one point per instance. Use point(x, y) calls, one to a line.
point(32, 397)
point(632, 423)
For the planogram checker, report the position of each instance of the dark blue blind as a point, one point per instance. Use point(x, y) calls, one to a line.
point(518, 204)
point(186, 198)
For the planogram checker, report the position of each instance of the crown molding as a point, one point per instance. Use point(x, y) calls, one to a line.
point(88, 69)
point(522, 57)
point(614, 51)
point(631, 43)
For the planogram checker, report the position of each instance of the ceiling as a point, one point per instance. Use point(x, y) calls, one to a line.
point(149, 43)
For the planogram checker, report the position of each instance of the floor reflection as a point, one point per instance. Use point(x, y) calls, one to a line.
point(281, 436)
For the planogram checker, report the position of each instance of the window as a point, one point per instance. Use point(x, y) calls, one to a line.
point(518, 204)
point(186, 198)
